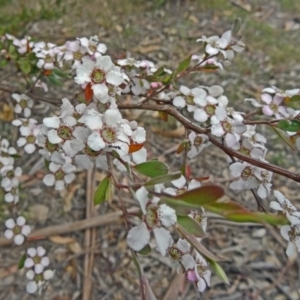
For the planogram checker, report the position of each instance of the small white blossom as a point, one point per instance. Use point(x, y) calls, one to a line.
point(24, 104)
point(38, 281)
point(155, 218)
point(17, 230)
point(286, 207)
point(36, 259)
point(179, 255)
point(292, 235)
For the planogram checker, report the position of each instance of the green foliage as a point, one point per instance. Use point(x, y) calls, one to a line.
point(152, 168)
point(102, 190)
point(22, 261)
point(163, 179)
point(191, 226)
point(24, 15)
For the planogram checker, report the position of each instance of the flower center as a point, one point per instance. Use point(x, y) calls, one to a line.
point(98, 76)
point(151, 217)
point(109, 134)
point(245, 151)
point(190, 100)
point(23, 103)
point(198, 141)
point(247, 173)
point(48, 59)
point(37, 259)
point(17, 230)
point(92, 48)
point(175, 253)
point(227, 126)
point(51, 147)
point(201, 268)
point(77, 55)
point(59, 175)
point(274, 107)
point(65, 132)
point(181, 191)
point(91, 153)
point(210, 109)
point(10, 174)
point(30, 139)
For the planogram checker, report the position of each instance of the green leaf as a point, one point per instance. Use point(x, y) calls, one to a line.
point(47, 163)
point(152, 168)
point(235, 27)
point(191, 226)
point(295, 98)
point(202, 195)
point(284, 137)
point(182, 208)
point(22, 262)
point(293, 125)
point(145, 251)
point(184, 64)
point(163, 179)
point(100, 194)
point(218, 270)
point(25, 65)
point(236, 212)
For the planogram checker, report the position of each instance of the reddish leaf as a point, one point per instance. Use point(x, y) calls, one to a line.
point(135, 147)
point(202, 195)
point(88, 93)
point(47, 72)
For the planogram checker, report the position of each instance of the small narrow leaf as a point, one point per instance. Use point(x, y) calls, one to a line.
point(218, 270)
point(100, 194)
point(22, 261)
point(284, 137)
point(163, 179)
point(191, 226)
point(152, 168)
point(184, 64)
point(235, 27)
point(145, 251)
point(293, 125)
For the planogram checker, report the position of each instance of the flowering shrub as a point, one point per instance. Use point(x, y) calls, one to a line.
point(89, 131)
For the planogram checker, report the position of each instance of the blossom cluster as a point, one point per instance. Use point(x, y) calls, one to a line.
point(157, 218)
point(90, 129)
point(36, 262)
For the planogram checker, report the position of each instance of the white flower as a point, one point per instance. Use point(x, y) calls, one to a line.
point(36, 259)
point(62, 174)
point(264, 177)
point(155, 218)
point(17, 230)
point(111, 132)
point(38, 281)
point(286, 207)
point(182, 186)
point(102, 75)
point(247, 178)
point(46, 53)
point(201, 274)
point(40, 84)
point(92, 46)
point(11, 177)
point(24, 104)
point(12, 195)
point(292, 235)
point(197, 142)
point(200, 217)
point(189, 98)
point(179, 254)
point(230, 129)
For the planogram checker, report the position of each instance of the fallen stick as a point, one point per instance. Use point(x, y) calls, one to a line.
point(71, 227)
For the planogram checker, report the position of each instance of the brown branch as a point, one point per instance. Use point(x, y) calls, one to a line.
point(198, 129)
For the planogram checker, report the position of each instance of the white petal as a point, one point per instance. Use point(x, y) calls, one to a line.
point(95, 141)
point(49, 180)
point(19, 239)
point(31, 287)
point(142, 196)
point(162, 237)
point(167, 215)
point(52, 122)
point(138, 237)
